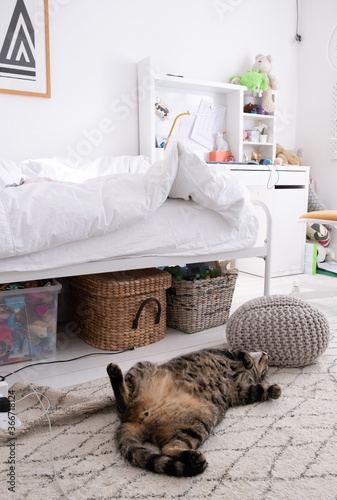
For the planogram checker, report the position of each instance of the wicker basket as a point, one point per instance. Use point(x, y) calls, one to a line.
point(120, 310)
point(196, 305)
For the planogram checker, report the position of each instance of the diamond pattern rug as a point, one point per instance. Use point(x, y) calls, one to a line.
point(284, 449)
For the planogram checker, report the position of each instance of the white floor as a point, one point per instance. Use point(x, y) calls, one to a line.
point(82, 370)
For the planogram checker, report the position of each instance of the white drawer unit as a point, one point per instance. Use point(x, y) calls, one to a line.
point(285, 192)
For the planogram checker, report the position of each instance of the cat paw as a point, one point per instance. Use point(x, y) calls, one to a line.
point(194, 460)
point(274, 391)
point(246, 359)
point(114, 372)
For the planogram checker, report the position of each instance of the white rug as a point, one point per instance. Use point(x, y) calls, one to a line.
point(284, 449)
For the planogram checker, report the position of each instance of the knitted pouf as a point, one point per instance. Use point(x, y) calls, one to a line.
point(290, 330)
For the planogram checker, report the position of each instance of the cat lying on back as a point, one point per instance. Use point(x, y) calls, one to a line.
point(176, 405)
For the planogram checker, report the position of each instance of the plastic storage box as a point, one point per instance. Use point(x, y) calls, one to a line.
point(28, 321)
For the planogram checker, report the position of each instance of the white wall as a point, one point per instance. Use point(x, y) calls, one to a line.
point(316, 80)
point(95, 47)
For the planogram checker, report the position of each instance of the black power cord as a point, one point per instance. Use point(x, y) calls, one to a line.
point(3, 377)
point(298, 37)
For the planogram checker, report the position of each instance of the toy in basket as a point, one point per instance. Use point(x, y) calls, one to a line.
point(195, 305)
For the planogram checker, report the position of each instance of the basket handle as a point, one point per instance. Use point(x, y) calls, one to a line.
point(135, 321)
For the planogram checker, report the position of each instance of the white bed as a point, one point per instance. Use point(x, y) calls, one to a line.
point(122, 213)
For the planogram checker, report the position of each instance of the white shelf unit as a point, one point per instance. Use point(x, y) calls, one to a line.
point(285, 193)
point(184, 94)
point(266, 149)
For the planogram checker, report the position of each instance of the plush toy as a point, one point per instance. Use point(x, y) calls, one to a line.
point(264, 65)
point(318, 233)
point(325, 254)
point(260, 78)
point(6, 339)
point(255, 156)
point(254, 80)
point(260, 110)
point(39, 314)
point(249, 108)
point(287, 156)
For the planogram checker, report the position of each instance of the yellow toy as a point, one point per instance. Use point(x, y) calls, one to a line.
point(255, 156)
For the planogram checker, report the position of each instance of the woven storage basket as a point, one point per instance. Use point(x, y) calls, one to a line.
point(119, 310)
point(196, 305)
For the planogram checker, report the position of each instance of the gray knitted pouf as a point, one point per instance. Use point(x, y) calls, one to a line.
point(290, 330)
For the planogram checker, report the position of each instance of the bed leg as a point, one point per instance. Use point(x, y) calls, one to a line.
point(266, 288)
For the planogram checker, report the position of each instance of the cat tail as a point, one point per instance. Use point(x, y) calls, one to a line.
point(130, 439)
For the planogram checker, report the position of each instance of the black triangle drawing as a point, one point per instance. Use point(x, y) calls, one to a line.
point(16, 52)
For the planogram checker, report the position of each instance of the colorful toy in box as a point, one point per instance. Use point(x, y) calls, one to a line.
point(28, 324)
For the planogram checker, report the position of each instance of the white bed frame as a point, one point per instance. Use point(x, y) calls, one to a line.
point(104, 266)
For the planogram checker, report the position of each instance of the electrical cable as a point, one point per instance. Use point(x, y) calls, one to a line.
point(272, 185)
point(52, 454)
point(38, 394)
point(3, 377)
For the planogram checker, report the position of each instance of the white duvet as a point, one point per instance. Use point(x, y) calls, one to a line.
point(46, 204)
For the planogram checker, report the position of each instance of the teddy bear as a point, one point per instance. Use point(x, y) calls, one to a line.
point(264, 65)
point(287, 156)
point(249, 108)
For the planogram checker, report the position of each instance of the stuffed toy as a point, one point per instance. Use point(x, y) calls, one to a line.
point(325, 254)
point(255, 156)
point(260, 110)
point(287, 156)
point(318, 233)
point(249, 108)
point(254, 80)
point(264, 65)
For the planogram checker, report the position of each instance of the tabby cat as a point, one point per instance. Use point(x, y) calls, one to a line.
point(175, 405)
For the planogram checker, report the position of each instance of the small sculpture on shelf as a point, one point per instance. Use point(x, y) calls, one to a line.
point(221, 143)
point(222, 152)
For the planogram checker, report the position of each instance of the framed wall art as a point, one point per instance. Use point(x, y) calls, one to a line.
point(24, 48)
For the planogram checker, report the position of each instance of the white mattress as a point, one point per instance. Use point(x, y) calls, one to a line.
point(177, 228)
